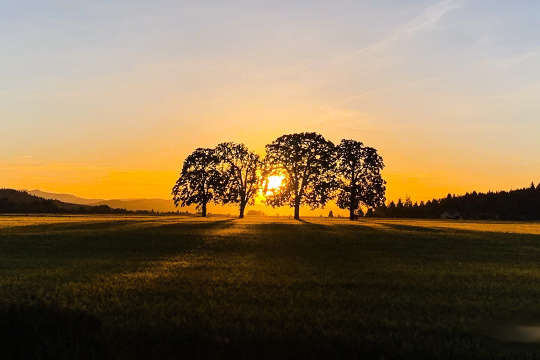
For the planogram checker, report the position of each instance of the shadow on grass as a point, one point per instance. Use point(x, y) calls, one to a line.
point(105, 251)
point(327, 269)
point(45, 332)
point(401, 227)
point(116, 225)
point(41, 331)
point(314, 226)
point(400, 244)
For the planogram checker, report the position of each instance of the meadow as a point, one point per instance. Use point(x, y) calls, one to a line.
point(125, 287)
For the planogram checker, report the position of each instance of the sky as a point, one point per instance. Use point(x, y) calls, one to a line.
point(105, 99)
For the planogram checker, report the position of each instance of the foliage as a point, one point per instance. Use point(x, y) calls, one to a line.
point(14, 201)
point(200, 180)
point(521, 204)
point(239, 168)
point(358, 169)
point(306, 159)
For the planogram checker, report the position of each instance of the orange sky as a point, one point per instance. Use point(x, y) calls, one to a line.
point(106, 100)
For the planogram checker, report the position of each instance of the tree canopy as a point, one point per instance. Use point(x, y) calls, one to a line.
point(239, 168)
point(358, 173)
point(200, 180)
point(520, 204)
point(306, 160)
point(298, 169)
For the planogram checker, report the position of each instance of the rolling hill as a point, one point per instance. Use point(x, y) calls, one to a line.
point(69, 198)
point(161, 205)
point(15, 201)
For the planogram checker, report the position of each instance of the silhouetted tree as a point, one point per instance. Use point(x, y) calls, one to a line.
point(200, 180)
point(408, 202)
point(239, 167)
point(358, 170)
point(520, 204)
point(306, 160)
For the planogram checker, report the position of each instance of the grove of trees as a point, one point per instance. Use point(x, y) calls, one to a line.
point(520, 204)
point(314, 171)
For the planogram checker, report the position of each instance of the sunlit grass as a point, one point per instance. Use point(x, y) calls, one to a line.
point(473, 225)
point(315, 288)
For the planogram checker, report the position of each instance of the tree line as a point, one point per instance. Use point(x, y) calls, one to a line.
point(16, 202)
point(520, 204)
point(314, 171)
point(21, 202)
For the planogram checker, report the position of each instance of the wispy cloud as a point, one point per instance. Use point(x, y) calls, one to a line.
point(517, 59)
point(379, 55)
point(395, 86)
point(432, 15)
point(426, 20)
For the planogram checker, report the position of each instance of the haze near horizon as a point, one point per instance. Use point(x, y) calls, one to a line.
point(106, 99)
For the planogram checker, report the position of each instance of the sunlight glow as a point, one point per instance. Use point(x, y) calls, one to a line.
point(273, 183)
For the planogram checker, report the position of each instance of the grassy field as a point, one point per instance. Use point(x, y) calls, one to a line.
point(183, 287)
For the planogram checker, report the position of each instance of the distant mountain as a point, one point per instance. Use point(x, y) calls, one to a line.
point(14, 201)
point(69, 198)
point(161, 205)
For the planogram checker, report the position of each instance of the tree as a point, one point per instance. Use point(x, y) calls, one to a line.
point(239, 167)
point(358, 171)
point(200, 180)
point(305, 160)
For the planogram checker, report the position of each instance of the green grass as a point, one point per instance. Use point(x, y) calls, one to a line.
point(172, 287)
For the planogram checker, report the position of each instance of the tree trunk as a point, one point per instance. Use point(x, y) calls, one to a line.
point(242, 208)
point(297, 210)
point(203, 211)
point(352, 201)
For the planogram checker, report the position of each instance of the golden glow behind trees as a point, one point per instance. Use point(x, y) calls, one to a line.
point(298, 169)
point(239, 167)
point(306, 160)
point(200, 180)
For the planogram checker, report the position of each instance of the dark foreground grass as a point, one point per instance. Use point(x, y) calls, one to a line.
point(263, 288)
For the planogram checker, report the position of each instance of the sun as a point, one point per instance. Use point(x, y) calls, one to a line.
point(273, 183)
point(271, 186)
